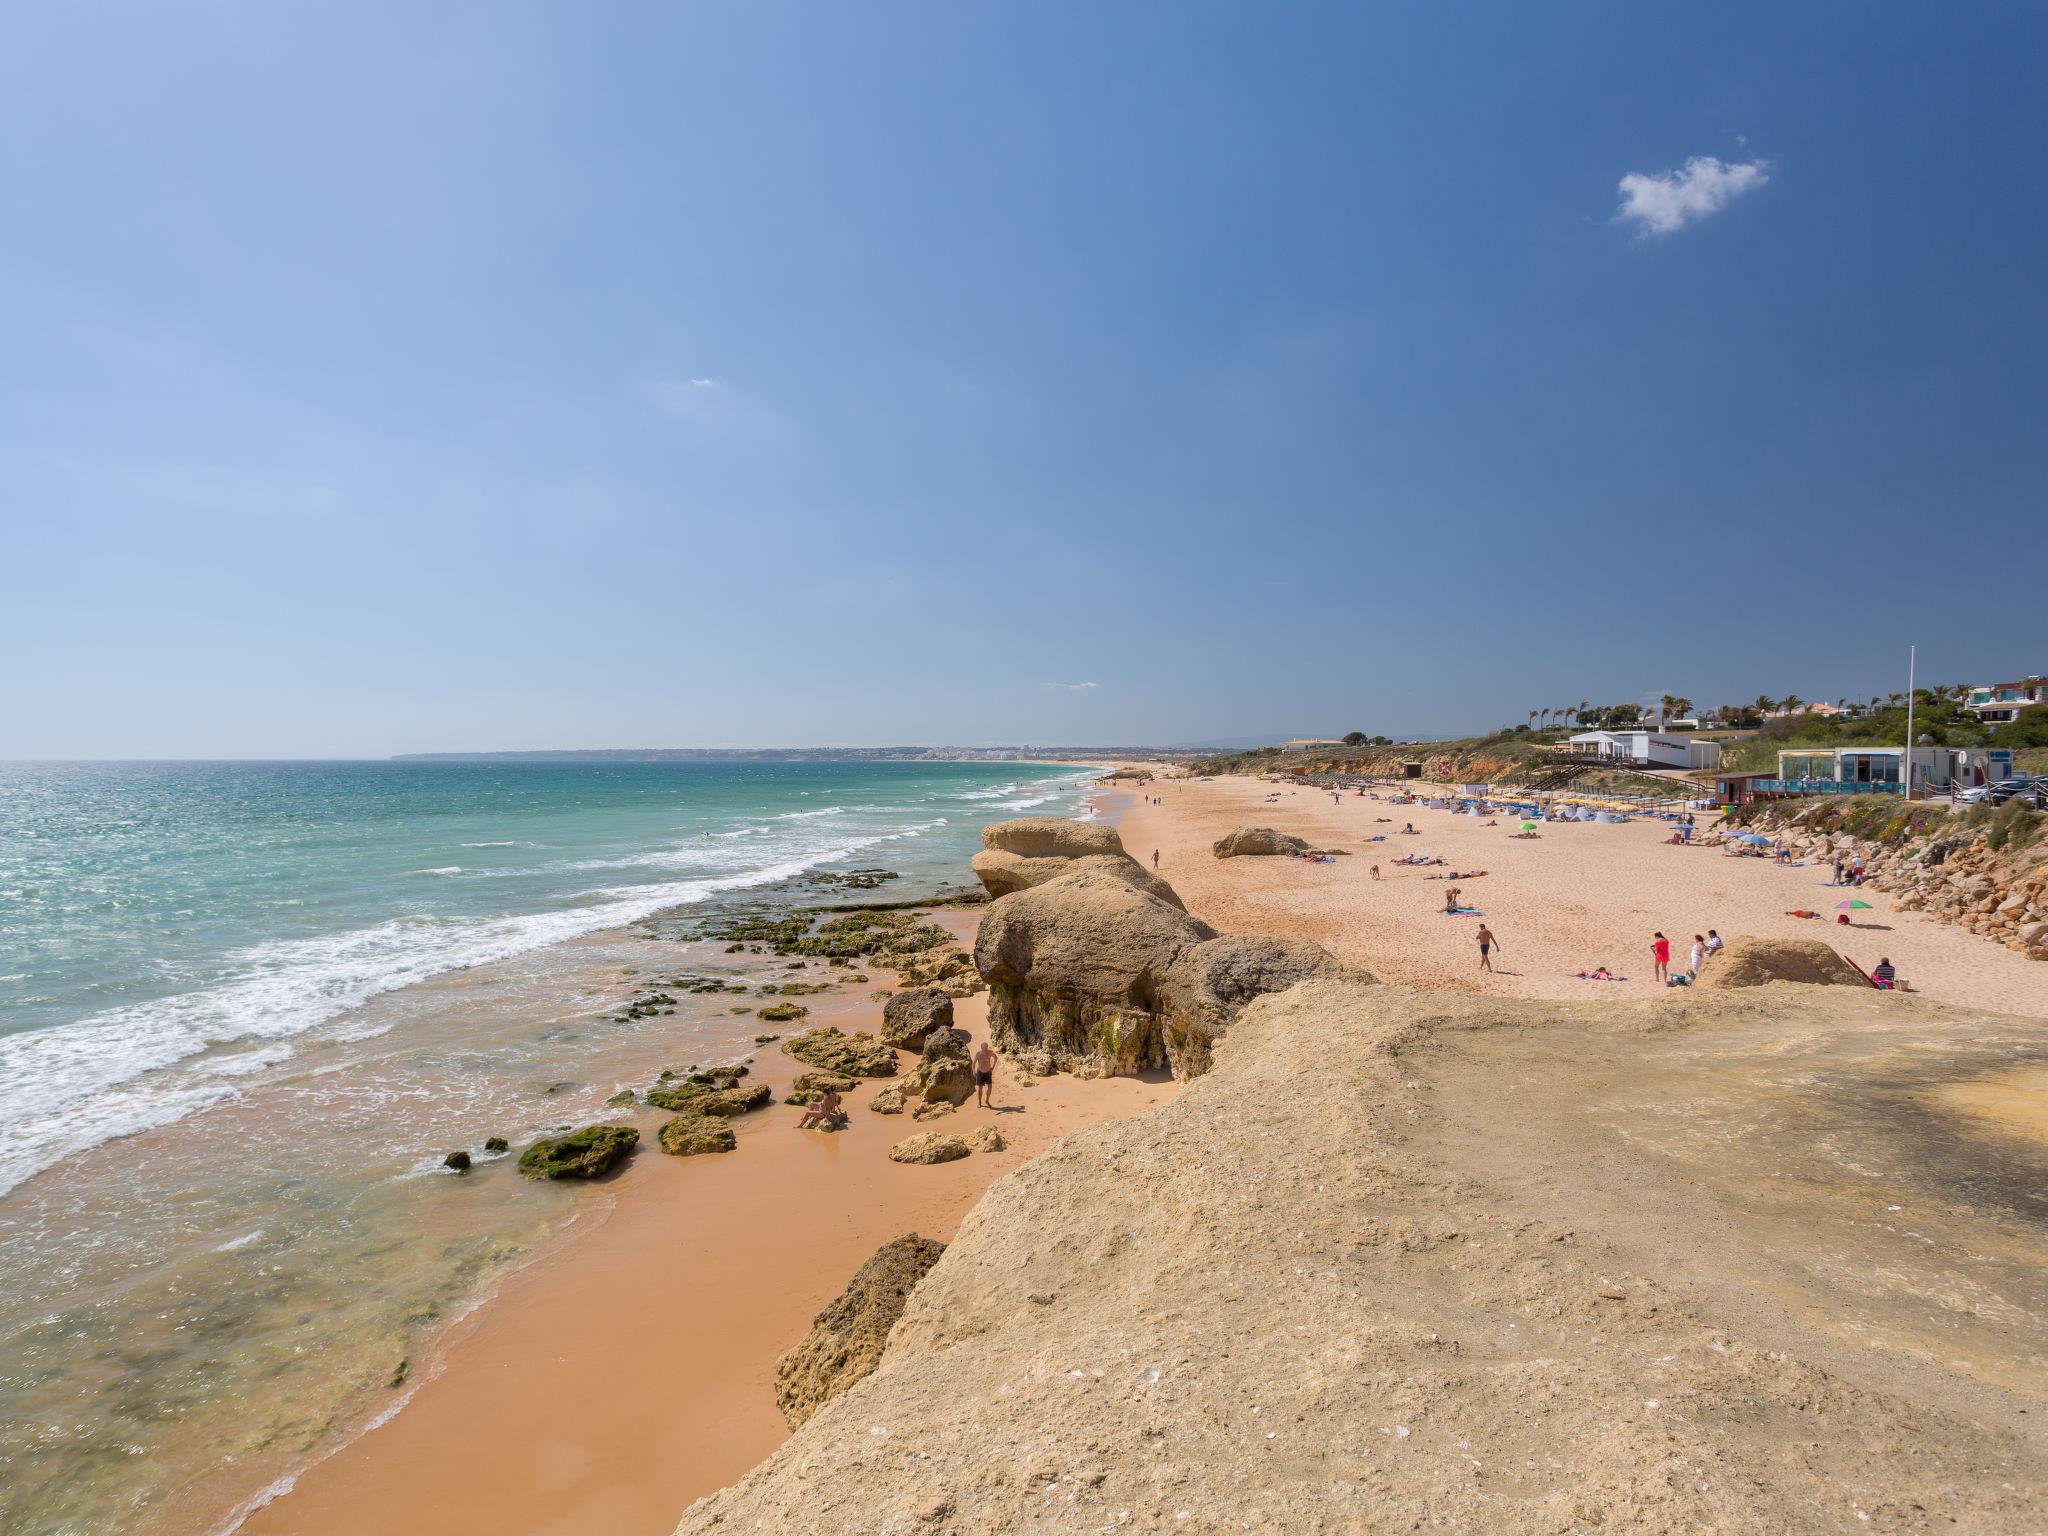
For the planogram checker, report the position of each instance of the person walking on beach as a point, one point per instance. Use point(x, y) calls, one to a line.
point(1660, 951)
point(985, 1077)
point(1155, 860)
point(1486, 947)
point(1375, 871)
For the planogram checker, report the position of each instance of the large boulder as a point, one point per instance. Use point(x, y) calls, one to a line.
point(1040, 836)
point(698, 1099)
point(1002, 873)
point(846, 1339)
point(586, 1154)
point(844, 1055)
point(943, 1071)
point(929, 1147)
point(908, 1017)
point(1251, 840)
point(1751, 962)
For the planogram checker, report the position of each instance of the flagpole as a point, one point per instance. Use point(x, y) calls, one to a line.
point(1910, 658)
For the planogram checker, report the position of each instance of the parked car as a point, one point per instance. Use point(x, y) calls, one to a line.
point(2021, 786)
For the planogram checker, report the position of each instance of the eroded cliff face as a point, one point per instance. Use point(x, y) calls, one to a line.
point(1406, 1261)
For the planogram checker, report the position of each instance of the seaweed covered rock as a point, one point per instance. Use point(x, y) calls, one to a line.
point(688, 1135)
point(1039, 836)
point(782, 1013)
point(1257, 840)
point(831, 1050)
point(846, 1339)
point(586, 1154)
point(457, 1161)
point(930, 1147)
point(1751, 962)
point(704, 1099)
point(908, 1017)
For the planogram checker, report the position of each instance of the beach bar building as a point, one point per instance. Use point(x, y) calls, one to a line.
point(1882, 770)
point(1640, 749)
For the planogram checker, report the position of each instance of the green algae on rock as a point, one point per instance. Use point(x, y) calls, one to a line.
point(586, 1154)
point(688, 1135)
point(831, 1050)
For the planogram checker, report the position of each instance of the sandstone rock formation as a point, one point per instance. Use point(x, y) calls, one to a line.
point(589, 1153)
point(889, 1101)
point(943, 1071)
point(846, 1339)
point(1040, 836)
point(1090, 974)
point(908, 1017)
point(832, 1050)
point(1256, 840)
point(932, 1109)
point(1751, 962)
point(808, 1085)
point(986, 1138)
point(690, 1134)
point(929, 1147)
point(1001, 873)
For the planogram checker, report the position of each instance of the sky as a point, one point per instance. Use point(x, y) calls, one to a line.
point(383, 378)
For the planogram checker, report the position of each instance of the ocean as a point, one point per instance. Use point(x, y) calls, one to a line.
point(246, 1008)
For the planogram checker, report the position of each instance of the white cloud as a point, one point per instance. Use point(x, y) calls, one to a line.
point(1072, 687)
point(715, 409)
point(1673, 199)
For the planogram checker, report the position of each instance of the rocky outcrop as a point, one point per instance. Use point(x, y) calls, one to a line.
point(1092, 975)
point(909, 1017)
point(831, 1050)
point(1003, 873)
point(696, 1098)
point(943, 1071)
point(690, 1134)
point(1981, 869)
point(929, 1147)
point(986, 1138)
point(589, 1153)
point(1051, 836)
point(1751, 962)
point(1257, 840)
point(889, 1101)
point(846, 1339)
point(809, 1085)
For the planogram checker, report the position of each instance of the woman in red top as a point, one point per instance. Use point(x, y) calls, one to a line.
point(1660, 951)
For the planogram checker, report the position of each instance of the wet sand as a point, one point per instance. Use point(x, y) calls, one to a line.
point(631, 1370)
point(1578, 896)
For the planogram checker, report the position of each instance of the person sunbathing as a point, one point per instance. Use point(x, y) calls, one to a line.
point(1599, 973)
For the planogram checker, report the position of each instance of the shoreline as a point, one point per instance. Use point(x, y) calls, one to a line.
point(709, 1269)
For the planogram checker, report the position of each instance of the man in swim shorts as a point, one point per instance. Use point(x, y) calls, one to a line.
point(1486, 944)
point(985, 1077)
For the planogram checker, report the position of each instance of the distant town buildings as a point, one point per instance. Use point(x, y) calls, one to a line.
point(1998, 703)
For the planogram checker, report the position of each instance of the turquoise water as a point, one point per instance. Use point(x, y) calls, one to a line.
point(167, 929)
point(245, 1009)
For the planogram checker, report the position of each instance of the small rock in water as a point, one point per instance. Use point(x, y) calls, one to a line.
point(459, 1161)
point(497, 1144)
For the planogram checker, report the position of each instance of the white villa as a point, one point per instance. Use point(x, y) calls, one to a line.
point(1644, 749)
point(1997, 703)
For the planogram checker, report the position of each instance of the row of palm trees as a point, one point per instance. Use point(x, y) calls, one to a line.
point(1677, 707)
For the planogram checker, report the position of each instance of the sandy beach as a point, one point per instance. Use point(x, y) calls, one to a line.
point(1580, 895)
point(631, 1370)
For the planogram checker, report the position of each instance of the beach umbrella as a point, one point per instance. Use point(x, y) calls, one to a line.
point(1854, 906)
point(1754, 837)
point(1528, 826)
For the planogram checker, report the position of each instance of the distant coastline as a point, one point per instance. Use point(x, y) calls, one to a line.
point(1023, 754)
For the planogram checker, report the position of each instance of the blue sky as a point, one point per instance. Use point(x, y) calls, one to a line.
point(387, 378)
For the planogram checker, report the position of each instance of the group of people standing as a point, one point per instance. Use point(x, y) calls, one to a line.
point(1704, 947)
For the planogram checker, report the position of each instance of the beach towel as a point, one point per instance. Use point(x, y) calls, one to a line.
point(1589, 976)
point(1463, 912)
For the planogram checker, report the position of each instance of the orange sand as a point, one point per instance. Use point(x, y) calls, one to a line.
point(1579, 896)
point(631, 1371)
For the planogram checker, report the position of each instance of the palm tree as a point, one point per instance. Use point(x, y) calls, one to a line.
point(1764, 704)
point(1791, 703)
point(1583, 707)
point(1532, 718)
point(1681, 706)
